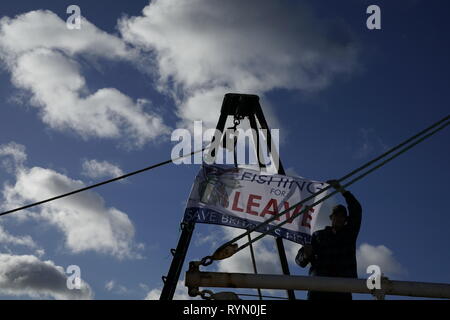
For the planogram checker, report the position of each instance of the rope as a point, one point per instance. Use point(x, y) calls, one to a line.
point(255, 270)
point(100, 183)
point(345, 185)
point(274, 217)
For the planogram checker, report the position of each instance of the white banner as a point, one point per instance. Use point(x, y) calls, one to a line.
point(243, 198)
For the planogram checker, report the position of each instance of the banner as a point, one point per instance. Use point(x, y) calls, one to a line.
point(243, 198)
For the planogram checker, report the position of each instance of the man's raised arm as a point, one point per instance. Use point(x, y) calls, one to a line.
point(353, 205)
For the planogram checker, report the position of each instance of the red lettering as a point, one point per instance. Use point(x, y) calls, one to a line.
point(297, 209)
point(251, 204)
point(271, 204)
point(235, 203)
point(307, 217)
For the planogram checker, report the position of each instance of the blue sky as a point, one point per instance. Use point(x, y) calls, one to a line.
point(339, 93)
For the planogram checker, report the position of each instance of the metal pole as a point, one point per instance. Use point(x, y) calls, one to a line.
point(284, 264)
point(328, 284)
point(255, 270)
point(171, 281)
point(279, 241)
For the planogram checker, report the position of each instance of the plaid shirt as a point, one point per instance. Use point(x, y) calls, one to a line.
point(334, 254)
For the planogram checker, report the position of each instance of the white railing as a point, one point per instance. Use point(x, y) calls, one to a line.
point(196, 279)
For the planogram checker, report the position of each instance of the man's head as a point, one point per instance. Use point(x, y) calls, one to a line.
point(338, 216)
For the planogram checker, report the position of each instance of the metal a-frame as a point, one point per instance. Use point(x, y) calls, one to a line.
point(240, 106)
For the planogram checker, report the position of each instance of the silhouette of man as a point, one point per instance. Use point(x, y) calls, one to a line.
point(332, 252)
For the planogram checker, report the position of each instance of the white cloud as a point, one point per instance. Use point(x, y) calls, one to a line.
point(370, 144)
point(13, 155)
point(44, 29)
point(245, 46)
point(41, 54)
point(100, 169)
point(84, 219)
point(116, 288)
point(154, 294)
point(15, 150)
point(180, 293)
point(266, 256)
point(26, 275)
point(8, 239)
point(381, 256)
point(209, 237)
point(110, 285)
point(40, 252)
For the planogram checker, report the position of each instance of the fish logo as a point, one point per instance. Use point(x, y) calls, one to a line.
point(217, 185)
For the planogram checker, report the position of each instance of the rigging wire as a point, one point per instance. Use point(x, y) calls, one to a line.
point(274, 217)
point(345, 185)
point(101, 183)
point(255, 269)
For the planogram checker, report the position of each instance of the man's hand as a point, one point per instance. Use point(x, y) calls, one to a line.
point(307, 250)
point(304, 255)
point(335, 184)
